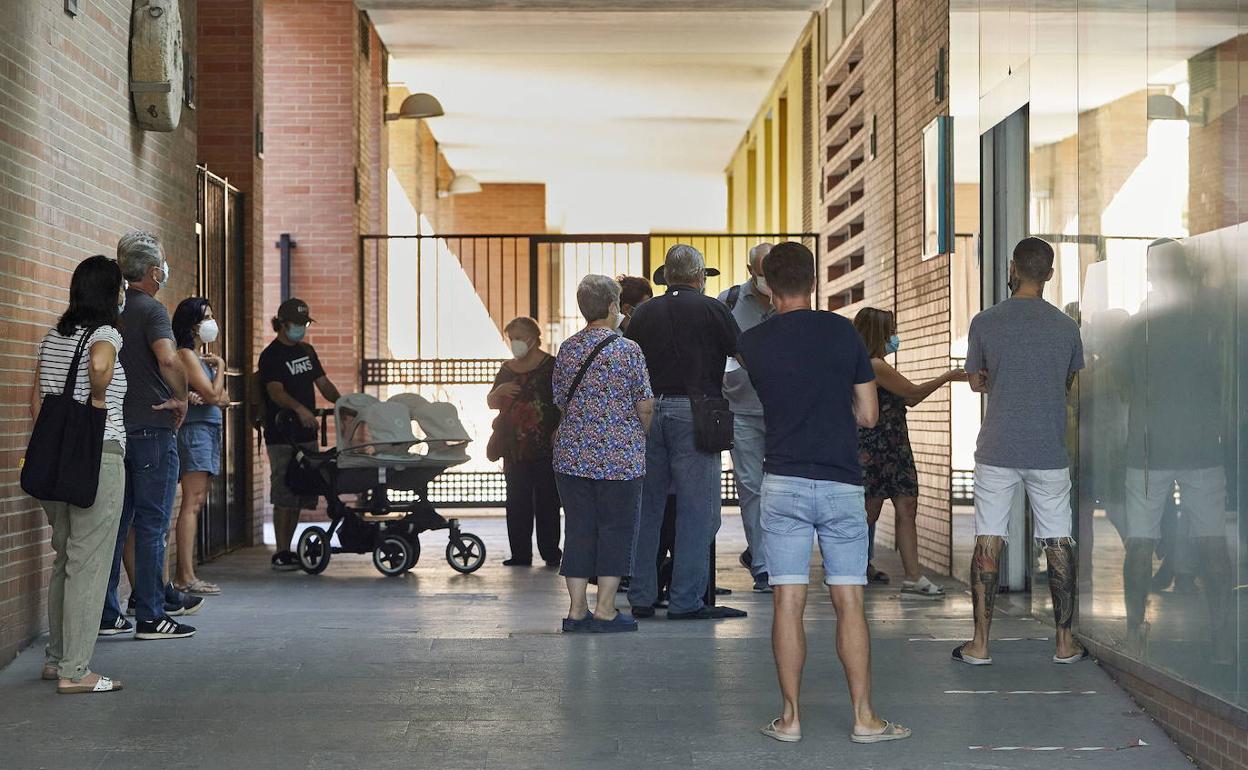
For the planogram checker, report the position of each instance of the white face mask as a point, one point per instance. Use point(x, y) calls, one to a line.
point(761, 283)
point(208, 331)
point(519, 348)
point(164, 268)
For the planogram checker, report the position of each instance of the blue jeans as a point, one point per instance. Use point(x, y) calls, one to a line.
point(749, 436)
point(672, 462)
point(151, 481)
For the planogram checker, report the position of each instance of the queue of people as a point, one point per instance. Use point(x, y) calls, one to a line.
point(161, 396)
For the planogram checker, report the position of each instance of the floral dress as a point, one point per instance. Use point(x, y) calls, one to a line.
point(531, 417)
point(884, 451)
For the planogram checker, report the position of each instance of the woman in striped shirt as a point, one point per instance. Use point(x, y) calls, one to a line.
point(83, 538)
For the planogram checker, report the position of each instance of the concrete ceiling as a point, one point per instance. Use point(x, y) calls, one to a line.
point(629, 115)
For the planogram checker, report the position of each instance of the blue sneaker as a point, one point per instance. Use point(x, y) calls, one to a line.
point(571, 626)
point(616, 625)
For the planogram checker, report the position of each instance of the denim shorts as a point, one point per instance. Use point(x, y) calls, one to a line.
point(199, 448)
point(797, 510)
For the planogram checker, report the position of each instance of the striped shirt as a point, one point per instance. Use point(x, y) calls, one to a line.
point(56, 353)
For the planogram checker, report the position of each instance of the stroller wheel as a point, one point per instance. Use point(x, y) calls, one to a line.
point(465, 553)
point(393, 556)
point(313, 550)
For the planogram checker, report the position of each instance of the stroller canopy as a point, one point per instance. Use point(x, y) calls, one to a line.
point(374, 433)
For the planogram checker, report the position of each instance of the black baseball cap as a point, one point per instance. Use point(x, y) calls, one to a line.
point(294, 310)
point(660, 276)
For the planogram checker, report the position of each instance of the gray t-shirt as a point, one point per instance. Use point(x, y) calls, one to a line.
point(749, 312)
point(1029, 350)
point(144, 321)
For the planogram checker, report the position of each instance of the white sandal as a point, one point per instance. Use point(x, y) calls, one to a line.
point(101, 684)
point(922, 587)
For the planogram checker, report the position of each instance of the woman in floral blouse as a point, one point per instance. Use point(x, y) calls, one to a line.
point(522, 394)
point(600, 454)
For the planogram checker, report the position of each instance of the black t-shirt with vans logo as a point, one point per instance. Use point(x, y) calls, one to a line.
point(297, 368)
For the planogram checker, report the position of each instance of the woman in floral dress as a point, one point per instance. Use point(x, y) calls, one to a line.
point(884, 451)
point(522, 394)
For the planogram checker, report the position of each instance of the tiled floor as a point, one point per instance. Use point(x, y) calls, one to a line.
point(436, 670)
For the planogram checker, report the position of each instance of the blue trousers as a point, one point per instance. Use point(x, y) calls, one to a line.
point(672, 462)
point(151, 481)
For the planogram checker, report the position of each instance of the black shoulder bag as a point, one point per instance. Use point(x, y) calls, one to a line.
point(62, 461)
point(589, 359)
point(713, 419)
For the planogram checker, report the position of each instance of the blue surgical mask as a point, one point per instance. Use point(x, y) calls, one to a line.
point(893, 345)
point(295, 332)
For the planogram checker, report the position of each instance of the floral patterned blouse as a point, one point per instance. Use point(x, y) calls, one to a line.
point(531, 416)
point(600, 436)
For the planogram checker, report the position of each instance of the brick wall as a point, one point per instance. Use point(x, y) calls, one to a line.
point(498, 208)
point(884, 225)
point(76, 171)
point(230, 94)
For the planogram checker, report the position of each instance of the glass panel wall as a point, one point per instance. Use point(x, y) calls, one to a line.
point(1137, 176)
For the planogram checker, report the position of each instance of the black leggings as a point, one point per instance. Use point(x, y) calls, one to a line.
point(532, 496)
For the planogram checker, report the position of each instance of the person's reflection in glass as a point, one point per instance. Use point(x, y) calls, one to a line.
point(1174, 382)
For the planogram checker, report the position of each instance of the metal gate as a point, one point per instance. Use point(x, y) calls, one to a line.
point(219, 231)
point(434, 307)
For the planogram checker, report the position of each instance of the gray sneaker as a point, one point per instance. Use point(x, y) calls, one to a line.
point(762, 584)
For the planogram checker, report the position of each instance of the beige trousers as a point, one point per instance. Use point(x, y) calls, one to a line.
point(83, 539)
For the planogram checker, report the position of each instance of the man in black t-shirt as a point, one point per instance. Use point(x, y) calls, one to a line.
point(817, 387)
point(290, 373)
point(687, 339)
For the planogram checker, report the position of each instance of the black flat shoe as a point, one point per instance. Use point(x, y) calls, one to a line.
point(518, 563)
point(643, 612)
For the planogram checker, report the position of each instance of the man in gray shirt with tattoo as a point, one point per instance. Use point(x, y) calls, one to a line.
point(1024, 354)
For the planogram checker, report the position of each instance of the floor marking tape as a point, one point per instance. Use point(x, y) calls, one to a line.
point(1020, 692)
point(992, 641)
point(1137, 743)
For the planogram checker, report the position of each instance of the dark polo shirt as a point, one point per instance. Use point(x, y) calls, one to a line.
point(705, 333)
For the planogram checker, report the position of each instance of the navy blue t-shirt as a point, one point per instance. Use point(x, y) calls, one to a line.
point(804, 365)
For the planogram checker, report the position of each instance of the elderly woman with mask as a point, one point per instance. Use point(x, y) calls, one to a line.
point(603, 388)
point(523, 433)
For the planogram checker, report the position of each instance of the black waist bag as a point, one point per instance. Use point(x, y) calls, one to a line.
point(713, 424)
point(63, 457)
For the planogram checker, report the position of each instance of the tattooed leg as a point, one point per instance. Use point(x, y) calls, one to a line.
point(1060, 552)
point(1215, 578)
point(984, 582)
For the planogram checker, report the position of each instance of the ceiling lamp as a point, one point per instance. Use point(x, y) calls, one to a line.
point(417, 106)
point(463, 184)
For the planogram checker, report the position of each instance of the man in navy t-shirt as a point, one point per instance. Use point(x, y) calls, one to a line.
point(817, 387)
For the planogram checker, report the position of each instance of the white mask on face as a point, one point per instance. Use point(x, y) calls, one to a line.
point(519, 348)
point(164, 268)
point(208, 331)
point(761, 283)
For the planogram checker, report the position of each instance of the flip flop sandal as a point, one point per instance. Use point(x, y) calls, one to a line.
point(50, 673)
point(772, 730)
point(103, 684)
point(201, 587)
point(922, 588)
point(892, 732)
point(1082, 656)
point(958, 655)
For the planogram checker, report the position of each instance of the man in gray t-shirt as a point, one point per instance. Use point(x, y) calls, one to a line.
point(750, 306)
point(1023, 354)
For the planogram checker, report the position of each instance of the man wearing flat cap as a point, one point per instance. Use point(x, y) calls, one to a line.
point(290, 374)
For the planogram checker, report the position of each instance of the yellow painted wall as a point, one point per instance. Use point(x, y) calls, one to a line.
point(760, 207)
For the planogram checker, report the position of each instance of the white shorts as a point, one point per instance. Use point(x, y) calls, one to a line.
point(1203, 495)
point(1048, 491)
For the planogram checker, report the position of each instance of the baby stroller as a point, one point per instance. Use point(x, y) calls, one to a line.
point(380, 461)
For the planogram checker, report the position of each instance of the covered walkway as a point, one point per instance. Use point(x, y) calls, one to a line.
point(438, 670)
